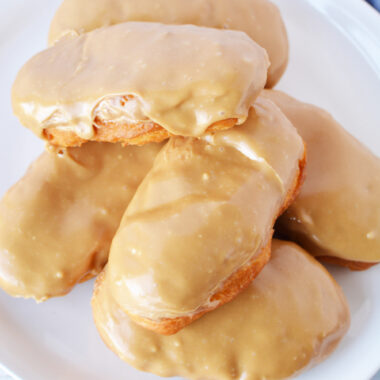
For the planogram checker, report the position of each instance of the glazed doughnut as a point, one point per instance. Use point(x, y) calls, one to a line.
point(260, 19)
point(289, 319)
point(57, 223)
point(336, 216)
point(170, 80)
point(199, 227)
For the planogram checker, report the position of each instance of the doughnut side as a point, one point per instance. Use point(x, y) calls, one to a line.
point(234, 285)
point(128, 134)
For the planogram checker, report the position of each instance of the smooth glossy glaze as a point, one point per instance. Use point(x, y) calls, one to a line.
point(338, 210)
point(205, 209)
point(183, 78)
point(260, 19)
point(290, 318)
point(57, 223)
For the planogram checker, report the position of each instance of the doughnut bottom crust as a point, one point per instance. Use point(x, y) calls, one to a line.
point(352, 265)
point(128, 134)
point(234, 285)
point(355, 266)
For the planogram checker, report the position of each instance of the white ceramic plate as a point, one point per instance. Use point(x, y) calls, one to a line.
point(335, 63)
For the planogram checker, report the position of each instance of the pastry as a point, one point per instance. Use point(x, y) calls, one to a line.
point(336, 216)
point(57, 223)
point(260, 19)
point(140, 82)
point(199, 227)
point(289, 319)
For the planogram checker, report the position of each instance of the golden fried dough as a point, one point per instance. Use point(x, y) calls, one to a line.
point(136, 134)
point(260, 19)
point(57, 223)
point(139, 82)
point(289, 319)
point(199, 228)
point(234, 285)
point(353, 265)
point(336, 214)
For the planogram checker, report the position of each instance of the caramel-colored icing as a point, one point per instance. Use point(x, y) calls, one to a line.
point(204, 210)
point(260, 19)
point(338, 210)
point(184, 78)
point(57, 223)
point(290, 318)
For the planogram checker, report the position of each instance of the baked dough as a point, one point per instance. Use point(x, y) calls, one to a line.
point(199, 228)
point(57, 223)
point(140, 82)
point(260, 19)
point(289, 319)
point(337, 214)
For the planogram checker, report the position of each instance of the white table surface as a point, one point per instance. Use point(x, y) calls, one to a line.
point(3, 376)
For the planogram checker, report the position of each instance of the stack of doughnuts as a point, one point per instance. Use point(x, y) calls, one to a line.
point(169, 161)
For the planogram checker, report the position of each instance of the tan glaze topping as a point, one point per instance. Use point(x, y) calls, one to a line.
point(57, 223)
point(205, 210)
point(260, 19)
point(337, 212)
point(183, 78)
point(290, 318)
